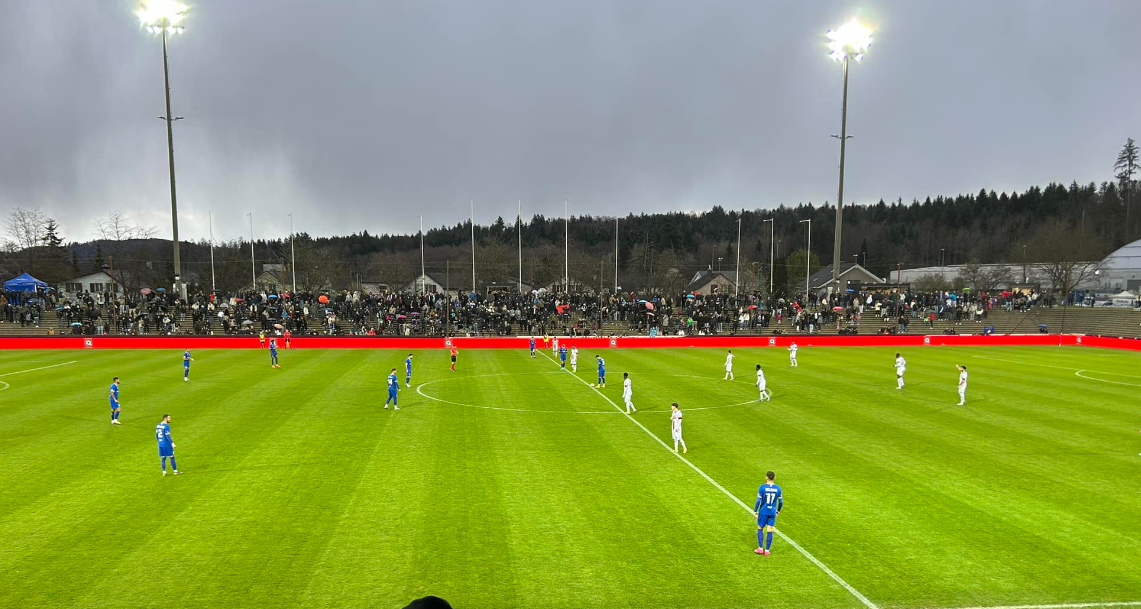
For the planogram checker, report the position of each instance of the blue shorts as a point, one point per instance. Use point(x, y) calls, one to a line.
point(114, 405)
point(165, 450)
point(766, 520)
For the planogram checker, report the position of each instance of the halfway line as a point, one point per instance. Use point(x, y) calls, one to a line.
point(856, 593)
point(40, 368)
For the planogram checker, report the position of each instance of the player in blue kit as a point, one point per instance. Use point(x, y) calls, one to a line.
point(186, 359)
point(273, 354)
point(532, 347)
point(165, 444)
point(393, 388)
point(114, 398)
point(769, 504)
point(601, 371)
point(408, 371)
point(563, 357)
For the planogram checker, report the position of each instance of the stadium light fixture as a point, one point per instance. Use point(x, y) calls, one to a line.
point(849, 41)
point(165, 18)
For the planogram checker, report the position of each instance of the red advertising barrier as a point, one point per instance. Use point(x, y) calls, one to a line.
point(668, 342)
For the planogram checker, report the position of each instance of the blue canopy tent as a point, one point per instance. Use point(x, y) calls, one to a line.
point(25, 283)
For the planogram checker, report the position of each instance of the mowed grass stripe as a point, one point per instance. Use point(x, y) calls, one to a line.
point(102, 507)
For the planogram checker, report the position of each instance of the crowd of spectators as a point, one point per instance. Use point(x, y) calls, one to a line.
point(499, 313)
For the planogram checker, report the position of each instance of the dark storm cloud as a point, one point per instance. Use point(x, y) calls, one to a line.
point(362, 115)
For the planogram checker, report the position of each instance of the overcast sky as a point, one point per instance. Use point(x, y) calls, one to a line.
point(363, 115)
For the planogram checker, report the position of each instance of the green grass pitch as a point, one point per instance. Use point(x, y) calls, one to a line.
point(511, 484)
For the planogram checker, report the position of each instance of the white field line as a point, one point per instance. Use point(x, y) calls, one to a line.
point(40, 368)
point(1090, 378)
point(1063, 605)
point(823, 567)
point(1071, 368)
point(5, 385)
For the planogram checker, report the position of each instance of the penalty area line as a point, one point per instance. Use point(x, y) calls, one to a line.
point(40, 368)
point(823, 567)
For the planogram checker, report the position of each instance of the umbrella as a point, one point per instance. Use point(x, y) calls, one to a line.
point(76, 323)
point(641, 301)
point(415, 314)
point(145, 291)
point(277, 326)
point(285, 295)
point(849, 290)
point(238, 300)
point(650, 306)
point(837, 308)
point(322, 299)
point(273, 295)
point(689, 296)
point(650, 314)
point(224, 305)
point(161, 289)
point(751, 307)
point(401, 317)
point(248, 322)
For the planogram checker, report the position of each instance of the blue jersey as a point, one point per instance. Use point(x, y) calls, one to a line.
point(769, 500)
point(273, 348)
point(532, 344)
point(393, 384)
point(162, 434)
point(408, 365)
point(563, 353)
point(114, 395)
point(186, 359)
point(601, 366)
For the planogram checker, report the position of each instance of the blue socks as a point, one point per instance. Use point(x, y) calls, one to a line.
point(164, 463)
point(115, 415)
point(760, 538)
point(175, 468)
point(768, 542)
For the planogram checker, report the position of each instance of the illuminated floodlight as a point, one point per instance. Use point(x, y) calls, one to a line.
point(850, 40)
point(159, 15)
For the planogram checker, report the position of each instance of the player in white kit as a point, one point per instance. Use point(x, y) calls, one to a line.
point(762, 386)
point(628, 393)
point(792, 355)
point(900, 368)
point(962, 384)
point(728, 366)
point(574, 359)
point(555, 346)
point(675, 427)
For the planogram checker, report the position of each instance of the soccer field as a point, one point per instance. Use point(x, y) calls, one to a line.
point(510, 483)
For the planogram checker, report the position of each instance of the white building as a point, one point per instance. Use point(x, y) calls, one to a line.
point(95, 283)
point(1121, 270)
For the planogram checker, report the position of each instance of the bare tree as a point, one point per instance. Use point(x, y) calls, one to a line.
point(131, 264)
point(117, 227)
point(984, 278)
point(24, 228)
point(1067, 259)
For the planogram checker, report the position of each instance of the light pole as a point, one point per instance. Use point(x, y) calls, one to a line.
point(165, 17)
point(772, 251)
point(292, 253)
point(942, 265)
point(807, 260)
point(253, 266)
point(850, 41)
point(737, 287)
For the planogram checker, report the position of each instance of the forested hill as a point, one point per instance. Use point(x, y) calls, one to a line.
point(654, 250)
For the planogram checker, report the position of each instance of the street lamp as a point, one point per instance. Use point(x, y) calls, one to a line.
point(850, 41)
point(165, 18)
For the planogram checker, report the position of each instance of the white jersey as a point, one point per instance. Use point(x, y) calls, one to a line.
point(729, 362)
point(761, 379)
point(900, 365)
point(675, 424)
point(555, 346)
point(963, 379)
point(574, 356)
point(627, 391)
point(792, 351)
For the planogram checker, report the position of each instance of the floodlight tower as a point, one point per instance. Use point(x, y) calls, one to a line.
point(848, 42)
point(164, 18)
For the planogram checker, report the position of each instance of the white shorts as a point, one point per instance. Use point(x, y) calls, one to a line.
point(728, 368)
point(676, 435)
point(762, 387)
point(962, 390)
point(899, 373)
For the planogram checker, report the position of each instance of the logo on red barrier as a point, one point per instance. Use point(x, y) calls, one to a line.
point(448, 343)
point(1079, 340)
point(87, 343)
point(772, 342)
point(614, 342)
point(927, 340)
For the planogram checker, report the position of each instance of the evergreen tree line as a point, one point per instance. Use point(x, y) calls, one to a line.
point(660, 251)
